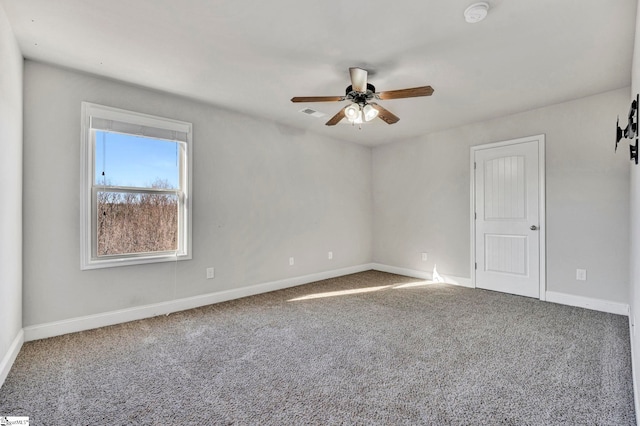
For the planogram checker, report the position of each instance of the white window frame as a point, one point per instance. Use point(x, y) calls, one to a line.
point(145, 125)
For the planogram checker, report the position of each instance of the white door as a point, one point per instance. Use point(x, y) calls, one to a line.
point(507, 216)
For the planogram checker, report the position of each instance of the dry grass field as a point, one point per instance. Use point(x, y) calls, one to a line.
point(136, 223)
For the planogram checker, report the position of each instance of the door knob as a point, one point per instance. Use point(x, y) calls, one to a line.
point(533, 227)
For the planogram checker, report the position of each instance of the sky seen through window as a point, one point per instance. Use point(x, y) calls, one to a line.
point(135, 161)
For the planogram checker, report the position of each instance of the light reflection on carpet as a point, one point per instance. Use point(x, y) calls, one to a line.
point(362, 290)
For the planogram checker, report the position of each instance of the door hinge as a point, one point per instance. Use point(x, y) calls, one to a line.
point(476, 265)
point(474, 165)
point(475, 215)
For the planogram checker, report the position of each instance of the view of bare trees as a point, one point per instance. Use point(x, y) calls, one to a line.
point(137, 222)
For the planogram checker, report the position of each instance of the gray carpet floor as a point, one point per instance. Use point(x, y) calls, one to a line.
point(369, 348)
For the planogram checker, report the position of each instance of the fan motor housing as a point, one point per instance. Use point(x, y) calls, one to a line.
point(360, 97)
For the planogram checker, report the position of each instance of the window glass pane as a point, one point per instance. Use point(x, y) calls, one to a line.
point(136, 223)
point(136, 161)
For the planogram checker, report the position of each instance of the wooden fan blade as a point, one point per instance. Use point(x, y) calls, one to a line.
point(317, 98)
point(406, 93)
point(358, 79)
point(386, 115)
point(336, 118)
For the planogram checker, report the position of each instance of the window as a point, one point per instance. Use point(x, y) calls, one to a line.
point(135, 188)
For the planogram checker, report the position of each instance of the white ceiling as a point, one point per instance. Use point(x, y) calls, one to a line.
point(253, 56)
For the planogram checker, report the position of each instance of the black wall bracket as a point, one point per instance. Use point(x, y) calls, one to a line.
point(631, 131)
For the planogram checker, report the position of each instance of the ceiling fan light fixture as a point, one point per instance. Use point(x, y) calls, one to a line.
point(352, 112)
point(369, 112)
point(476, 12)
point(360, 93)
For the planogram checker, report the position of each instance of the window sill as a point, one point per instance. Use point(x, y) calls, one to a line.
point(130, 261)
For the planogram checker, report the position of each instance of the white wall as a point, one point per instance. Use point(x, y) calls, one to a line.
point(262, 193)
point(11, 64)
point(421, 196)
point(634, 270)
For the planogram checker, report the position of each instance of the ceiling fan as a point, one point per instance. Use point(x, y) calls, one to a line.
point(362, 94)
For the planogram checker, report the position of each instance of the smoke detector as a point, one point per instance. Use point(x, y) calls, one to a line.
point(476, 12)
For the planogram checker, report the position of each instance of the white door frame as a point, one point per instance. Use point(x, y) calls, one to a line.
point(541, 206)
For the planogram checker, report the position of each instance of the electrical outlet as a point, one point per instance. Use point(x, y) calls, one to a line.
point(581, 274)
point(424, 257)
point(291, 261)
point(210, 273)
point(330, 255)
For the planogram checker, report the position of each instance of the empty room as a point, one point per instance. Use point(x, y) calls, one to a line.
point(295, 212)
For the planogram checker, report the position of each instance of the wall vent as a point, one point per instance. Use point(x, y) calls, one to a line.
point(313, 112)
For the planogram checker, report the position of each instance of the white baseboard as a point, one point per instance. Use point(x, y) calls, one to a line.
point(588, 303)
point(72, 325)
point(10, 356)
point(423, 275)
point(551, 296)
point(634, 365)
